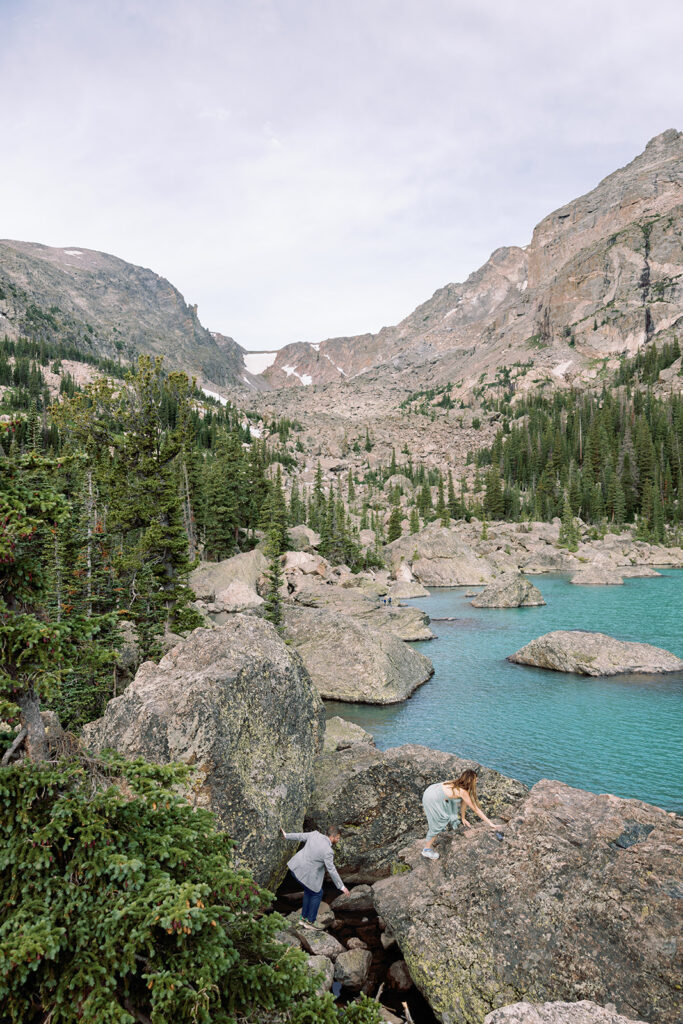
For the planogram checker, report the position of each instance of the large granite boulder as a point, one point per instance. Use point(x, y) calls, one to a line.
point(439, 557)
point(594, 654)
point(581, 900)
point(340, 734)
point(349, 661)
point(510, 590)
point(375, 797)
point(210, 578)
point(584, 1012)
point(239, 706)
point(303, 538)
point(406, 591)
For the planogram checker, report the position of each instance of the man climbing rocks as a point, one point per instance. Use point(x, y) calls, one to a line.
point(308, 868)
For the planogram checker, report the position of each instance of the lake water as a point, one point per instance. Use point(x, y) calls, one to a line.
point(621, 735)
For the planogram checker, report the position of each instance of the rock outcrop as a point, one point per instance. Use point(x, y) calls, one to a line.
point(239, 706)
point(376, 798)
point(340, 735)
point(594, 654)
point(439, 557)
point(579, 901)
point(210, 578)
point(584, 1012)
point(349, 661)
point(510, 590)
point(597, 576)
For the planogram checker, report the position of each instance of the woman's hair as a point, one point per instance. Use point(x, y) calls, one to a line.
point(466, 780)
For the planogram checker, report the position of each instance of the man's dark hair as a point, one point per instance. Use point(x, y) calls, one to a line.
point(333, 831)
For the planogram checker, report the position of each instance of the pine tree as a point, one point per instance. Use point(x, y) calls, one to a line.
point(414, 520)
point(395, 528)
point(274, 577)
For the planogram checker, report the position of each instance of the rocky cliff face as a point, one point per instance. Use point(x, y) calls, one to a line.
point(107, 307)
point(602, 275)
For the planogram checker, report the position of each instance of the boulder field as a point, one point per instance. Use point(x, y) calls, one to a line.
point(594, 654)
point(237, 704)
point(580, 901)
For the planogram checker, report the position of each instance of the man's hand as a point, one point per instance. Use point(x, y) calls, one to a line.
point(284, 834)
point(345, 890)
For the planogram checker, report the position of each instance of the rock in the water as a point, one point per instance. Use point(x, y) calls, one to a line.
point(376, 799)
point(584, 1012)
point(557, 911)
point(594, 654)
point(210, 578)
point(358, 898)
point(352, 968)
point(439, 557)
point(347, 661)
point(340, 734)
point(239, 706)
point(322, 966)
point(400, 591)
point(597, 576)
point(510, 590)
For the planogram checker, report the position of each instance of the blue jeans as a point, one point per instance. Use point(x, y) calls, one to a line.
point(312, 901)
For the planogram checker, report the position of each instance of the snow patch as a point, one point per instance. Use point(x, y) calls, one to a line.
point(522, 287)
point(343, 372)
point(316, 347)
point(257, 362)
point(250, 383)
point(305, 378)
point(72, 252)
point(214, 394)
point(562, 368)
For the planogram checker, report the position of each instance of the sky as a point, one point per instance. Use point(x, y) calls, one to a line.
point(305, 169)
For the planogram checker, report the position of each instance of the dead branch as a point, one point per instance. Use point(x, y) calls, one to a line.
point(11, 751)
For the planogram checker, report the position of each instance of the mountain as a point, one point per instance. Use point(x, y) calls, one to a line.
point(108, 307)
point(602, 276)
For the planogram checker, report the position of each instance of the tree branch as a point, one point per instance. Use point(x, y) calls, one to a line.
point(18, 740)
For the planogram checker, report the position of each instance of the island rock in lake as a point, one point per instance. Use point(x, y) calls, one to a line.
point(376, 798)
point(580, 900)
point(350, 661)
point(598, 576)
point(594, 654)
point(240, 707)
point(510, 590)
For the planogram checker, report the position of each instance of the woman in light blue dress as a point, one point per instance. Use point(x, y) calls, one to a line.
point(445, 804)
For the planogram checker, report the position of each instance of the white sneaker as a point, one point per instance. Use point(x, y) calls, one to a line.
point(430, 854)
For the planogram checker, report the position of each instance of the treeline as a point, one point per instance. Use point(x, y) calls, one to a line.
point(614, 456)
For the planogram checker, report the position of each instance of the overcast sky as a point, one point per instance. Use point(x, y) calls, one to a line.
point(303, 169)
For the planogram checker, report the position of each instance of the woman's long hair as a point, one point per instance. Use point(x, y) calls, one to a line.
point(466, 780)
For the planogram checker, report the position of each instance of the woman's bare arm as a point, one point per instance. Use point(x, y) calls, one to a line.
point(466, 799)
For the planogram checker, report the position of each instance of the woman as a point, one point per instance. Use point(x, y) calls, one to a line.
point(445, 803)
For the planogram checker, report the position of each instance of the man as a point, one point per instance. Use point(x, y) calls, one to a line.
point(308, 868)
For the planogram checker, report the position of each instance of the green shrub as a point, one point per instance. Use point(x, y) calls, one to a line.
point(120, 903)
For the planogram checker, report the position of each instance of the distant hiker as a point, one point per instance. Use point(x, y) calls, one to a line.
point(308, 868)
point(445, 804)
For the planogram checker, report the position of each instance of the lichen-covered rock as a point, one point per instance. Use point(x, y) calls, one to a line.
point(340, 734)
point(375, 797)
point(597, 576)
point(580, 900)
point(359, 898)
point(348, 661)
point(398, 976)
point(303, 538)
point(584, 1012)
point(594, 654)
point(210, 578)
point(352, 968)
point(510, 590)
point(324, 968)
point(240, 707)
point(319, 943)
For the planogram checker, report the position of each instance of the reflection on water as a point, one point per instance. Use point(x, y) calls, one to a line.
point(620, 735)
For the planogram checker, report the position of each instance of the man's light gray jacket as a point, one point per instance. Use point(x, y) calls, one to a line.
point(308, 865)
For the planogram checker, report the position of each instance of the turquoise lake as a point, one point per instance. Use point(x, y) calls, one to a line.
point(621, 735)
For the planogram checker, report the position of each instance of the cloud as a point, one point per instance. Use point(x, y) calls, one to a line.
point(302, 169)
